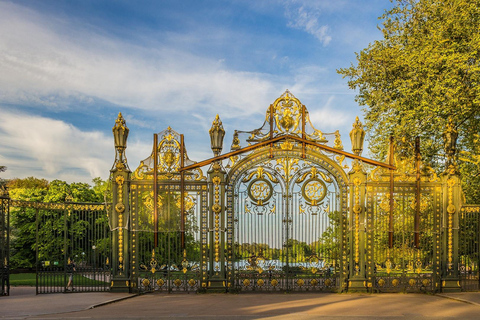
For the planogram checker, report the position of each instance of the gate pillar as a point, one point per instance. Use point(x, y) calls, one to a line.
point(4, 242)
point(357, 275)
point(452, 195)
point(120, 175)
point(216, 186)
point(451, 209)
point(216, 230)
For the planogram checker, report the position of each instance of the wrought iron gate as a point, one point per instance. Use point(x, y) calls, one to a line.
point(168, 235)
point(283, 210)
point(405, 265)
point(288, 220)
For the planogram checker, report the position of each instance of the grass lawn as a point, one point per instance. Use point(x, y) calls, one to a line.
point(57, 279)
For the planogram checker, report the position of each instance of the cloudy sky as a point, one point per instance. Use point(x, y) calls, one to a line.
point(68, 67)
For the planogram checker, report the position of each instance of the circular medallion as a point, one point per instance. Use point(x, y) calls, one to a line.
point(381, 283)
point(260, 191)
point(177, 282)
point(314, 191)
point(120, 207)
point(451, 209)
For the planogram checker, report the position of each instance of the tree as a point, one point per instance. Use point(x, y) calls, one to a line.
point(424, 70)
point(51, 222)
point(23, 236)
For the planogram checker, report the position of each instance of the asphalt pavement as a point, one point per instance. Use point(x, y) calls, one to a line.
point(24, 304)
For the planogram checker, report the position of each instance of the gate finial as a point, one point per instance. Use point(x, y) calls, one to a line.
point(357, 135)
point(120, 135)
point(216, 136)
point(450, 137)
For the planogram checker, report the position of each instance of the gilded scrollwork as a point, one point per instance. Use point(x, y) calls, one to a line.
point(357, 209)
point(451, 211)
point(425, 203)
point(216, 208)
point(57, 206)
point(405, 172)
point(168, 152)
point(285, 116)
point(385, 203)
point(287, 113)
point(119, 207)
point(260, 190)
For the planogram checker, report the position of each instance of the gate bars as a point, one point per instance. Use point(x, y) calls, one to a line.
point(469, 251)
point(72, 241)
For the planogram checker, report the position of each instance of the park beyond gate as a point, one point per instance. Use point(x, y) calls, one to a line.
point(285, 210)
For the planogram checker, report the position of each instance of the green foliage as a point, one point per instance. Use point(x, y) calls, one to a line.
point(28, 183)
point(169, 249)
point(326, 248)
point(22, 220)
point(246, 250)
point(424, 70)
point(328, 244)
point(102, 190)
point(51, 222)
point(80, 192)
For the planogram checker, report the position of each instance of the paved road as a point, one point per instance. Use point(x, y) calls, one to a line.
point(240, 306)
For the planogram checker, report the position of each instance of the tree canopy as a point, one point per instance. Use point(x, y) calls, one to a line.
point(23, 220)
point(424, 71)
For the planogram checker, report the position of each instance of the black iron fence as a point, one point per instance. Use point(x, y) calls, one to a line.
point(469, 240)
point(72, 246)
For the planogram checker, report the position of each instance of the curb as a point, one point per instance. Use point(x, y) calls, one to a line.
point(458, 299)
point(111, 301)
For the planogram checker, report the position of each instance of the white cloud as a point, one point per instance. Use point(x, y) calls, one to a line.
point(42, 57)
point(306, 17)
point(327, 118)
point(53, 149)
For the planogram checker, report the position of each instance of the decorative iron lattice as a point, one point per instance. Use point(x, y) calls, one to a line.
point(403, 267)
point(287, 222)
point(168, 266)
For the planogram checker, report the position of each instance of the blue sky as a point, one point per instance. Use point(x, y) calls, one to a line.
point(68, 67)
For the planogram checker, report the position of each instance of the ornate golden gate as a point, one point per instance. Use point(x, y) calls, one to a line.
point(287, 210)
point(287, 221)
point(166, 237)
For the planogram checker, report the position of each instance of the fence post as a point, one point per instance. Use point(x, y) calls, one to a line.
point(217, 279)
point(120, 175)
point(357, 277)
point(358, 178)
point(452, 192)
point(4, 242)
